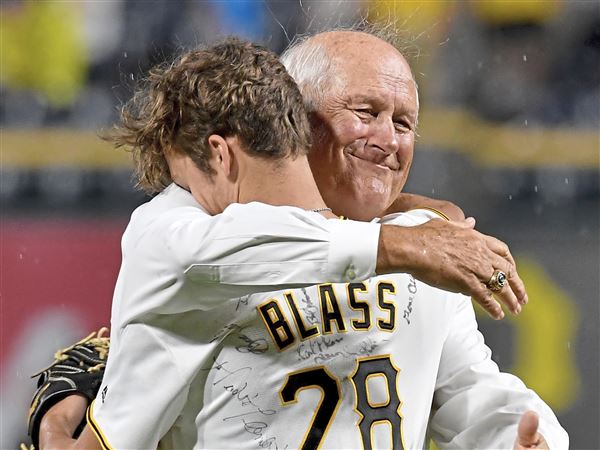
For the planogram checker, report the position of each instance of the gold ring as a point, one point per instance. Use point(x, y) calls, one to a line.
point(497, 281)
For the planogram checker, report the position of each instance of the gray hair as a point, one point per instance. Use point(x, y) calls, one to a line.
point(311, 67)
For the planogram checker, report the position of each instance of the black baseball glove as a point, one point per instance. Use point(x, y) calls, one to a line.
point(76, 369)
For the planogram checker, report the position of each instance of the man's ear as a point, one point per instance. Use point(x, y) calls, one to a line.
point(222, 153)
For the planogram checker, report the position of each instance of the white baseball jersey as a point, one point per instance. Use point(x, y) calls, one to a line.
point(200, 358)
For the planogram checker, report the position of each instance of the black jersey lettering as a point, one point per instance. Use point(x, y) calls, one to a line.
point(276, 323)
point(330, 309)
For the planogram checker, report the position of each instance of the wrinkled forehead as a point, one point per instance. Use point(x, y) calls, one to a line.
point(388, 80)
point(370, 79)
point(354, 49)
point(365, 63)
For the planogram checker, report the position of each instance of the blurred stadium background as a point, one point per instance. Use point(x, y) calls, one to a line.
point(509, 130)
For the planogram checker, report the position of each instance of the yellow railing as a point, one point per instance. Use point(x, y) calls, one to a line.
point(457, 130)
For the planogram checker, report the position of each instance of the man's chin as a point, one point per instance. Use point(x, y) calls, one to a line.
point(365, 209)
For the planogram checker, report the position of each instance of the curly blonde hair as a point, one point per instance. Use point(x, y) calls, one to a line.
point(233, 88)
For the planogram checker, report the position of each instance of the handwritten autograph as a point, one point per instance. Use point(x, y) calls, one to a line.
point(258, 430)
point(412, 290)
point(311, 312)
point(318, 349)
point(242, 301)
point(255, 346)
point(235, 382)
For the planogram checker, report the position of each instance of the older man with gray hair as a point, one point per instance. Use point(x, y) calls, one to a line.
point(364, 118)
point(363, 106)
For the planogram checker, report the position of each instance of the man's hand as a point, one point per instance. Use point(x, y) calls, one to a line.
point(406, 202)
point(455, 257)
point(527, 434)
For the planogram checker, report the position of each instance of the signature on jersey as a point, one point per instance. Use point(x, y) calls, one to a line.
point(251, 415)
point(311, 312)
point(258, 430)
point(249, 345)
point(321, 349)
point(412, 290)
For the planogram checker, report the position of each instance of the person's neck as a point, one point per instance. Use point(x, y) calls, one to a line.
point(289, 183)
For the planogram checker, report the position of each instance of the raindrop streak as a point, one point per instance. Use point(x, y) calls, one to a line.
point(525, 122)
point(124, 54)
point(566, 181)
point(535, 188)
point(510, 197)
point(131, 75)
point(525, 58)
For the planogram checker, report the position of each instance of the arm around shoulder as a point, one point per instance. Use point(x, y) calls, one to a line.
point(257, 244)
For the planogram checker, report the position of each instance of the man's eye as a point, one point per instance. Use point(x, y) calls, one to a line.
point(402, 127)
point(364, 112)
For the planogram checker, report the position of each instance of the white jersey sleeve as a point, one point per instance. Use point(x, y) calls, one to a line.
point(247, 248)
point(475, 405)
point(468, 376)
point(179, 267)
point(258, 244)
point(142, 392)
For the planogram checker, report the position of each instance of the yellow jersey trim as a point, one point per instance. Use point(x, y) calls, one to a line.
point(439, 213)
point(96, 429)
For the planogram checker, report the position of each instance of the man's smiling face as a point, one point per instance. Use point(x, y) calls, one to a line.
point(364, 129)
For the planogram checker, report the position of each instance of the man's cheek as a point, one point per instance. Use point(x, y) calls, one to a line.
point(351, 131)
point(406, 146)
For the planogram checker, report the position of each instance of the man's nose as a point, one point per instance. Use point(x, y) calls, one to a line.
point(383, 135)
